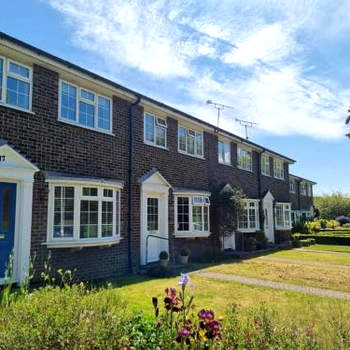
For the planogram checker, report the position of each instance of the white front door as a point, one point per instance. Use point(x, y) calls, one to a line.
point(268, 218)
point(154, 218)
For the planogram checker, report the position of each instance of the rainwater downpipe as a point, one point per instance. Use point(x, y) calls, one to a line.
point(130, 174)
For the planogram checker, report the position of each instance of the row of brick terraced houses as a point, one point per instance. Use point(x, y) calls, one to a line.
point(89, 169)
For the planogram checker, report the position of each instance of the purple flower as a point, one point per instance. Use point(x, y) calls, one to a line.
point(184, 279)
point(184, 333)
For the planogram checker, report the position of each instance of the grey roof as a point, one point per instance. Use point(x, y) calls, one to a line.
point(50, 175)
point(303, 179)
point(147, 175)
point(190, 190)
point(3, 142)
point(132, 92)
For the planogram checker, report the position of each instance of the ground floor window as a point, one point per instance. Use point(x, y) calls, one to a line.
point(249, 219)
point(192, 214)
point(283, 215)
point(78, 212)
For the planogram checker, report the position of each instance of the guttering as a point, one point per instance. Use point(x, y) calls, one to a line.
point(130, 168)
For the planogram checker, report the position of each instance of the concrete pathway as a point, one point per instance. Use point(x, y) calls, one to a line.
point(305, 262)
point(322, 251)
point(276, 285)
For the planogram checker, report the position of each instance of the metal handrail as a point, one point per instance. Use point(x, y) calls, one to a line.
point(154, 236)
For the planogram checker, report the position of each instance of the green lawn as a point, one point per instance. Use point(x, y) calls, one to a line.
point(334, 248)
point(329, 258)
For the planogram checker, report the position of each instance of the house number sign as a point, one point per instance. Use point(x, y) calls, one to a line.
point(2, 158)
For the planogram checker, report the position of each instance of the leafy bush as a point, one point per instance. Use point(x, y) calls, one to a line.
point(323, 238)
point(262, 242)
point(313, 226)
point(332, 224)
point(300, 227)
point(333, 205)
point(163, 255)
point(250, 243)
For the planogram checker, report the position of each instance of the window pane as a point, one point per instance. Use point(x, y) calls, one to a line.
point(19, 70)
point(183, 214)
point(87, 95)
point(152, 214)
point(117, 195)
point(197, 218)
point(104, 113)
point(63, 212)
point(88, 219)
point(160, 136)
point(221, 151)
point(68, 101)
point(182, 138)
point(199, 144)
point(6, 209)
point(206, 219)
point(90, 191)
point(227, 153)
point(252, 218)
point(108, 193)
point(17, 93)
point(149, 120)
point(190, 144)
point(107, 219)
point(279, 215)
point(86, 114)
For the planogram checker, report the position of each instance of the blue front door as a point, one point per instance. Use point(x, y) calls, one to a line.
point(7, 222)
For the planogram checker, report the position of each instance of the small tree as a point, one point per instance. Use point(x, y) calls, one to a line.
point(227, 205)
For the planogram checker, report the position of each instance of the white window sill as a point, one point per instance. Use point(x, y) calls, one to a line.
point(16, 108)
point(81, 243)
point(66, 121)
point(248, 230)
point(227, 164)
point(191, 155)
point(279, 178)
point(154, 145)
point(267, 175)
point(240, 168)
point(193, 234)
point(283, 228)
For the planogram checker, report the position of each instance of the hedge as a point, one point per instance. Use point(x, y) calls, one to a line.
point(322, 238)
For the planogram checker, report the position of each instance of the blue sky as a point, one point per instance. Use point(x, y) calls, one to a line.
point(281, 64)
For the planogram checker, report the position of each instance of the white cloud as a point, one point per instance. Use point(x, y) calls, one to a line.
point(258, 54)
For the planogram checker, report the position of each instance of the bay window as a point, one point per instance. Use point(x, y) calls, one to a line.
point(192, 215)
point(244, 159)
point(15, 84)
point(278, 168)
point(80, 214)
point(265, 165)
point(155, 130)
point(85, 108)
point(190, 141)
point(283, 215)
point(248, 221)
point(224, 152)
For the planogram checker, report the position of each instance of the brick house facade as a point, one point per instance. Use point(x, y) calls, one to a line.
point(91, 188)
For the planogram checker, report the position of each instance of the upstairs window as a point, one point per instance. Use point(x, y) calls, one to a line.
point(83, 107)
point(192, 214)
point(249, 219)
point(278, 169)
point(224, 152)
point(292, 186)
point(15, 84)
point(155, 130)
point(265, 165)
point(244, 159)
point(283, 215)
point(303, 188)
point(190, 141)
point(309, 190)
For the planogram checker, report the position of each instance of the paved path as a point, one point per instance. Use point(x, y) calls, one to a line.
point(305, 262)
point(276, 285)
point(322, 251)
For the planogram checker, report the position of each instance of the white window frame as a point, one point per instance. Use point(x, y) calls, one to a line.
point(75, 240)
point(292, 186)
point(265, 165)
point(95, 104)
point(309, 190)
point(227, 150)
point(6, 73)
point(286, 209)
point(195, 154)
point(191, 233)
point(240, 161)
point(155, 125)
point(278, 171)
point(247, 203)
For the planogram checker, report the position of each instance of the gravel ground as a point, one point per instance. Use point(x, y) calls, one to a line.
point(276, 285)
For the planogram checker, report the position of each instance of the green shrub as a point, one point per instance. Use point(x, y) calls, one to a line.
point(323, 223)
point(313, 226)
point(250, 244)
point(163, 255)
point(300, 227)
point(332, 224)
point(261, 240)
point(325, 238)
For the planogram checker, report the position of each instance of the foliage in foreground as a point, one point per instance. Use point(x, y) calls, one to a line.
point(333, 205)
point(76, 317)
